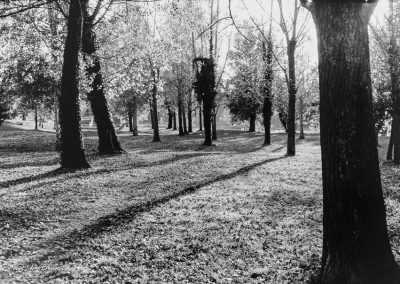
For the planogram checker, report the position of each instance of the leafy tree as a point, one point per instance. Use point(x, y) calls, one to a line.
point(71, 150)
point(356, 246)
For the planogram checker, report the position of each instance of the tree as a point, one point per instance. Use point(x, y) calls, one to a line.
point(108, 141)
point(71, 150)
point(356, 246)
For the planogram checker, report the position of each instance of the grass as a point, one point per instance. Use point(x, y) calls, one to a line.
point(169, 212)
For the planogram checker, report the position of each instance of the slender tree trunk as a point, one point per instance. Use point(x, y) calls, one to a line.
point(156, 132)
point(389, 155)
point(71, 152)
point(134, 117)
point(174, 119)
point(200, 118)
point(36, 117)
point(185, 131)
point(291, 127)
point(170, 118)
point(356, 246)
point(267, 88)
point(207, 123)
point(214, 124)
point(108, 140)
point(151, 116)
point(190, 123)
point(130, 116)
point(301, 119)
point(252, 120)
point(180, 118)
point(394, 64)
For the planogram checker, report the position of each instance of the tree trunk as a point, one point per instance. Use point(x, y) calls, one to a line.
point(71, 152)
point(134, 117)
point(394, 64)
point(207, 123)
point(185, 131)
point(156, 133)
point(396, 137)
point(174, 120)
point(180, 118)
point(291, 127)
point(190, 123)
point(356, 246)
point(301, 119)
point(252, 120)
point(130, 116)
point(170, 118)
point(108, 140)
point(214, 128)
point(267, 87)
point(36, 117)
point(200, 118)
point(389, 155)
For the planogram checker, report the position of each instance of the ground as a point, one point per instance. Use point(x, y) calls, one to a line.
point(169, 212)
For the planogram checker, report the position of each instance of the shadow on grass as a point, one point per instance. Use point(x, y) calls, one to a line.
point(51, 162)
point(125, 216)
point(86, 173)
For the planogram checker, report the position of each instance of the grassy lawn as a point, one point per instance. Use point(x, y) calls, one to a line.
point(169, 212)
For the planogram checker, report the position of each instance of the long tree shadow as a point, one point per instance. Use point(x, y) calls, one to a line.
point(51, 162)
point(59, 172)
point(125, 216)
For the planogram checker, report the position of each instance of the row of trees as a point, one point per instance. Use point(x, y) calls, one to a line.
point(356, 246)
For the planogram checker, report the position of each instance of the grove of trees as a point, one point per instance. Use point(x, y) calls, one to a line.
point(175, 59)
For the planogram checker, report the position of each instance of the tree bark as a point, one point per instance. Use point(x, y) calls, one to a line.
point(108, 140)
point(71, 152)
point(207, 123)
point(267, 88)
point(130, 116)
point(170, 118)
point(156, 132)
point(189, 113)
point(174, 120)
point(394, 65)
point(200, 118)
point(214, 123)
point(389, 155)
point(180, 118)
point(134, 117)
point(252, 120)
point(185, 131)
point(301, 119)
point(36, 117)
point(291, 127)
point(356, 246)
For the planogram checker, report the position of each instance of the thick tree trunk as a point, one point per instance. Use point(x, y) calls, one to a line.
point(71, 152)
point(291, 127)
point(156, 132)
point(389, 155)
point(130, 116)
point(174, 120)
point(134, 117)
point(108, 141)
point(200, 118)
point(356, 246)
point(301, 119)
point(252, 122)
